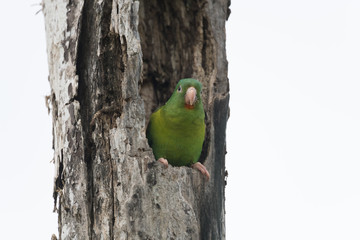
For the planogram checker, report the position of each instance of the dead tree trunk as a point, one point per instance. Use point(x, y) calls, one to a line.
point(111, 64)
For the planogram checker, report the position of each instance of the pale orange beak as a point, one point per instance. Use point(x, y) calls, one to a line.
point(190, 96)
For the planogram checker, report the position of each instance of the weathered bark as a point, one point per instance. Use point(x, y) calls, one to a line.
point(111, 63)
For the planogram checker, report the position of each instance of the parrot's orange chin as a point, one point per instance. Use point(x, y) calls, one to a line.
point(188, 106)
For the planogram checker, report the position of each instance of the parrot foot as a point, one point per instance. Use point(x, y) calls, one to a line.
point(202, 169)
point(164, 161)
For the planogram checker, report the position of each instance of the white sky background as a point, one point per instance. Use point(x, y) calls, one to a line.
point(294, 130)
point(293, 136)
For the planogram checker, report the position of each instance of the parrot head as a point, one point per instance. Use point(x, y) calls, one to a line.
point(187, 94)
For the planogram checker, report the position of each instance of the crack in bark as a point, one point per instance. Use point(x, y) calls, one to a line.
point(86, 46)
point(99, 89)
point(59, 183)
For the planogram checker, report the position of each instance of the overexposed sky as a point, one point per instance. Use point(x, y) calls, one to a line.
point(293, 136)
point(26, 173)
point(294, 131)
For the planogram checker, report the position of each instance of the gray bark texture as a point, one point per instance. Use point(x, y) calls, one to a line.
point(111, 63)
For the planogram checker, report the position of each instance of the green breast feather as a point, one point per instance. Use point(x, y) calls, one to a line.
point(176, 130)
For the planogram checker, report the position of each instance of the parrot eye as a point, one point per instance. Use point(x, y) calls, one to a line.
point(179, 88)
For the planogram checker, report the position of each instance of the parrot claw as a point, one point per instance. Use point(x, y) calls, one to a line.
point(202, 169)
point(164, 161)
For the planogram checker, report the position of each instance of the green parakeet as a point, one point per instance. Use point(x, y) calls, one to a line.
point(176, 130)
